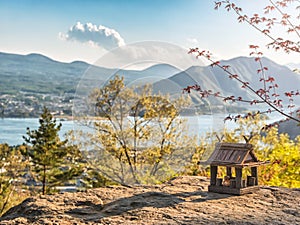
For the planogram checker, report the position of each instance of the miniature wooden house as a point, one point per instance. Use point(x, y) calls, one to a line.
point(237, 156)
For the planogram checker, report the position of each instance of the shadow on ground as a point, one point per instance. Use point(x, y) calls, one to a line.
point(153, 199)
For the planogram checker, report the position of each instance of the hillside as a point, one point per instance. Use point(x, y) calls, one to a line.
point(184, 200)
point(215, 79)
point(30, 81)
point(36, 73)
point(290, 127)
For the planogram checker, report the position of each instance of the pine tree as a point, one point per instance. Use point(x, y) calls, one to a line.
point(49, 155)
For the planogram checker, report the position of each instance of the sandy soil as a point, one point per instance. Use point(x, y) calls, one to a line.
point(184, 200)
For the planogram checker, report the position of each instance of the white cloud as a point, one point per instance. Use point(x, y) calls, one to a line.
point(94, 35)
point(192, 41)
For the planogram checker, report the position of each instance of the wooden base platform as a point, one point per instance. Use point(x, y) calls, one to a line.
point(233, 191)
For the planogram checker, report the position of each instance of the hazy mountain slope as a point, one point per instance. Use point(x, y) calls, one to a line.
point(293, 66)
point(38, 73)
point(215, 79)
point(247, 68)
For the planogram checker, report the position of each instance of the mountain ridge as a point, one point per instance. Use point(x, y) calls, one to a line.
point(216, 80)
point(37, 56)
point(36, 74)
point(55, 60)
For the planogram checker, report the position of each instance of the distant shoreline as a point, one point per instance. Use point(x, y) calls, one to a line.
point(61, 118)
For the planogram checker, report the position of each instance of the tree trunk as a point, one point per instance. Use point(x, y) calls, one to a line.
point(44, 180)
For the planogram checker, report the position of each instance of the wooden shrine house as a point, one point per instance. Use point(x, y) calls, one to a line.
point(237, 156)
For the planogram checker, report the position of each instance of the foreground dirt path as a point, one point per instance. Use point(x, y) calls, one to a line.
point(184, 200)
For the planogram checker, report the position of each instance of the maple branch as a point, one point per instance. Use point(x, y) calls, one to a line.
point(207, 55)
point(287, 19)
point(287, 45)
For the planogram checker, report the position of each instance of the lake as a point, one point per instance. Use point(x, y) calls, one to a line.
point(13, 129)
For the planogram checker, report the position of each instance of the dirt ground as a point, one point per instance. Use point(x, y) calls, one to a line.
point(183, 200)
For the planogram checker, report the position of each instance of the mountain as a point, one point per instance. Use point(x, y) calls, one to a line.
point(293, 66)
point(215, 79)
point(247, 68)
point(35, 74)
point(289, 127)
point(30, 81)
point(38, 74)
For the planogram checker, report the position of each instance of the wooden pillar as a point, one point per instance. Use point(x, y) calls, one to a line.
point(213, 175)
point(228, 172)
point(254, 174)
point(238, 177)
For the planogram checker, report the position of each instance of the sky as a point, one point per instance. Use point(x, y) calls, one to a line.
point(88, 29)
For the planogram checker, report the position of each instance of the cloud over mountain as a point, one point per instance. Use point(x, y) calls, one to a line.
point(100, 36)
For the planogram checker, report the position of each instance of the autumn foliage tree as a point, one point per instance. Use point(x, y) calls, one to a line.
point(137, 136)
point(12, 168)
point(275, 16)
point(279, 150)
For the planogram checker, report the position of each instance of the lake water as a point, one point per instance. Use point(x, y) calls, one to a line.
point(13, 129)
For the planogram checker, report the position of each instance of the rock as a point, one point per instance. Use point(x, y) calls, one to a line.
point(183, 200)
